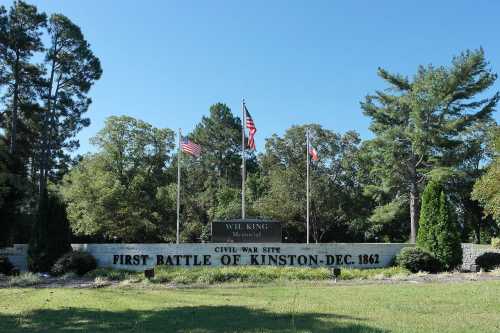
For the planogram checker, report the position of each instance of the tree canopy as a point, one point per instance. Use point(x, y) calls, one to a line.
point(487, 188)
point(426, 126)
point(433, 125)
point(122, 191)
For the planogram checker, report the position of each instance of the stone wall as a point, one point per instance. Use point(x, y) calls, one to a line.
point(17, 255)
point(471, 252)
point(142, 256)
point(131, 256)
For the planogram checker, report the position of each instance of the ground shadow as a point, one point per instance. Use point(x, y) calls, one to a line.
point(200, 319)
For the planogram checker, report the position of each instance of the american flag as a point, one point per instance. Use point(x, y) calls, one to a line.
point(251, 128)
point(313, 153)
point(190, 147)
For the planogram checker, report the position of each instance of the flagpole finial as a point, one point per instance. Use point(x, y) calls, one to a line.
point(243, 100)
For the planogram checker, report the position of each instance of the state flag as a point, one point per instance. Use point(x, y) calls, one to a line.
point(313, 153)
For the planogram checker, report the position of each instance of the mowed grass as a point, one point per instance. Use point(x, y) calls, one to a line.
point(281, 307)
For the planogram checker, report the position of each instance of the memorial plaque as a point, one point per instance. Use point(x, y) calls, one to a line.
point(246, 231)
point(141, 257)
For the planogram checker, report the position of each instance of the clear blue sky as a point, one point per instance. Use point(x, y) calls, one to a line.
point(295, 62)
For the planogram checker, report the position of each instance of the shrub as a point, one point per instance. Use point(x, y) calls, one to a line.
point(495, 243)
point(372, 273)
point(24, 280)
point(438, 232)
point(77, 262)
point(246, 274)
point(214, 275)
point(5, 265)
point(114, 274)
point(488, 260)
point(416, 259)
point(50, 236)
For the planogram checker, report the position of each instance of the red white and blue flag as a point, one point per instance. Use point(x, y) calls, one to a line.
point(251, 128)
point(190, 147)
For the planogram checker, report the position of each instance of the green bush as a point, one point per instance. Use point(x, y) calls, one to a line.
point(213, 275)
point(246, 274)
point(438, 231)
point(495, 243)
point(416, 260)
point(50, 235)
point(77, 262)
point(114, 274)
point(488, 260)
point(372, 273)
point(5, 265)
point(26, 279)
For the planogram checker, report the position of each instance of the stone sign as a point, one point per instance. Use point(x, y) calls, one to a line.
point(246, 231)
point(142, 256)
point(139, 257)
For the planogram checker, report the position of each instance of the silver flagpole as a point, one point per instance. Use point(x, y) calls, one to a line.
point(307, 184)
point(243, 173)
point(179, 153)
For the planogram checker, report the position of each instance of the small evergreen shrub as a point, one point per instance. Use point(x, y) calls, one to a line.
point(438, 231)
point(77, 262)
point(50, 237)
point(495, 243)
point(6, 266)
point(488, 261)
point(416, 260)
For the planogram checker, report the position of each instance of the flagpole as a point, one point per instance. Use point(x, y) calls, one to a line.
point(307, 185)
point(243, 172)
point(179, 153)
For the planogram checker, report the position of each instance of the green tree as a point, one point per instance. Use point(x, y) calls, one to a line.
point(220, 136)
point(20, 38)
point(211, 184)
point(438, 232)
point(8, 189)
point(336, 199)
point(421, 124)
point(20, 31)
point(472, 157)
point(123, 191)
point(51, 235)
point(487, 188)
point(71, 69)
point(389, 216)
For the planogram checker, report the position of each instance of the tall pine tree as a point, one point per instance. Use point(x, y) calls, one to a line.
point(72, 69)
point(423, 124)
point(20, 39)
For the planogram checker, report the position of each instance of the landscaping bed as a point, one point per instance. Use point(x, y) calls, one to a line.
point(200, 277)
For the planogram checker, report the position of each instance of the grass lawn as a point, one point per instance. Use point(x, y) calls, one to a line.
point(280, 307)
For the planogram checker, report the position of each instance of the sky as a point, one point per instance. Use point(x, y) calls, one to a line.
point(294, 62)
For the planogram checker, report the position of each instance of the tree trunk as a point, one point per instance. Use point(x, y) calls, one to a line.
point(13, 134)
point(45, 151)
point(414, 203)
point(413, 213)
point(478, 233)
